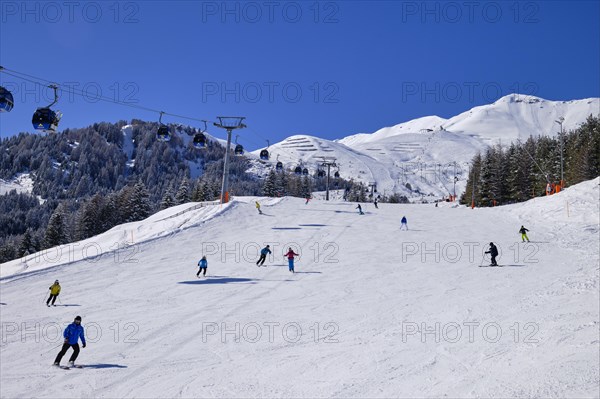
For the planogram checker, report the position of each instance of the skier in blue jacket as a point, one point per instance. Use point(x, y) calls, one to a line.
point(263, 256)
point(403, 223)
point(72, 333)
point(203, 265)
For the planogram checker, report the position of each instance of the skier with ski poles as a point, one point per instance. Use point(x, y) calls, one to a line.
point(54, 291)
point(493, 253)
point(202, 265)
point(290, 255)
point(72, 334)
point(258, 207)
point(360, 212)
point(263, 256)
point(523, 232)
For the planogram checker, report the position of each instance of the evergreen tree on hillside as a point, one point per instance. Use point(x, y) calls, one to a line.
point(167, 200)
point(269, 188)
point(89, 222)
point(306, 187)
point(138, 203)
point(56, 232)
point(26, 246)
point(183, 193)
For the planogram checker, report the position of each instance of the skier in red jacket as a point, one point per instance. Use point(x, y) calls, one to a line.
point(290, 255)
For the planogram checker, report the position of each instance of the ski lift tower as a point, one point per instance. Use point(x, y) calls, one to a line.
point(560, 135)
point(229, 123)
point(328, 162)
point(373, 187)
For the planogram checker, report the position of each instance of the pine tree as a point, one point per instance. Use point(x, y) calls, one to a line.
point(139, 203)
point(26, 245)
point(183, 193)
point(55, 232)
point(282, 184)
point(306, 187)
point(167, 200)
point(269, 188)
point(88, 222)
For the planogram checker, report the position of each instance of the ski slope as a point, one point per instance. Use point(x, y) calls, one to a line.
point(371, 312)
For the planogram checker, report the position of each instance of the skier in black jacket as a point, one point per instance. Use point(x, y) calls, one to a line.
point(493, 253)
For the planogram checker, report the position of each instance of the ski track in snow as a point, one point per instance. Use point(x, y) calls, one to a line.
point(370, 294)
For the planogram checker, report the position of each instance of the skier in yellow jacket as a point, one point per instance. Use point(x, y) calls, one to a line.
point(54, 291)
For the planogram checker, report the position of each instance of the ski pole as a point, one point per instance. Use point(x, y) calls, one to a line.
point(51, 349)
point(44, 298)
point(482, 259)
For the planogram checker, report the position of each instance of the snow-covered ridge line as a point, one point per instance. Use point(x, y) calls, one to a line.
point(125, 238)
point(415, 152)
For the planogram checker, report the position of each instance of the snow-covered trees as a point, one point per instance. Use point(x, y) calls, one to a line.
point(56, 231)
point(523, 170)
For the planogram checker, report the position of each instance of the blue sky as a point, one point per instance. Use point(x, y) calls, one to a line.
point(328, 68)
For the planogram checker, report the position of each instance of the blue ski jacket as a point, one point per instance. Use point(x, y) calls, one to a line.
point(73, 332)
point(265, 251)
point(203, 263)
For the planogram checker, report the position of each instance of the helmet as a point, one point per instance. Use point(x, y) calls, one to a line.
point(491, 243)
point(77, 318)
point(56, 281)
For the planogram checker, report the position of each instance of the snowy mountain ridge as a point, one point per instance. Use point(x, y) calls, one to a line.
point(428, 152)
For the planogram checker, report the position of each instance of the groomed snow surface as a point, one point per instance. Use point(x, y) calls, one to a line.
point(371, 311)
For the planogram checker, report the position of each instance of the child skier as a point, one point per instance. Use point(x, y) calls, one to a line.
point(258, 207)
point(202, 265)
point(72, 333)
point(54, 291)
point(403, 222)
point(360, 212)
point(493, 253)
point(290, 255)
point(263, 256)
point(523, 232)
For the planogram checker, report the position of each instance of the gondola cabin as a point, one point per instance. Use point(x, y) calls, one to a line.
point(200, 140)
point(45, 120)
point(264, 155)
point(163, 133)
point(279, 166)
point(321, 173)
point(305, 171)
point(298, 170)
point(239, 149)
point(336, 174)
point(6, 100)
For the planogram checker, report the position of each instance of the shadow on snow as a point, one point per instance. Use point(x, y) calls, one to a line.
point(223, 280)
point(104, 366)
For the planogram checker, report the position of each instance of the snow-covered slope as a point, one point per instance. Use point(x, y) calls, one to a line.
point(516, 116)
point(22, 183)
point(371, 312)
point(426, 152)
